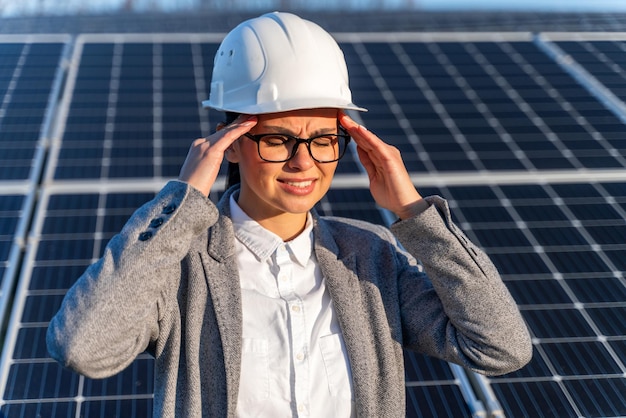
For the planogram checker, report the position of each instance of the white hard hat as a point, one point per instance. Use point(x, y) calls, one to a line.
point(279, 62)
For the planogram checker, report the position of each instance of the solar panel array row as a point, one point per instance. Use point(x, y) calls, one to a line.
point(495, 111)
point(28, 75)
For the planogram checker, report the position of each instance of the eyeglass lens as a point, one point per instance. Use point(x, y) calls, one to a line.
point(281, 148)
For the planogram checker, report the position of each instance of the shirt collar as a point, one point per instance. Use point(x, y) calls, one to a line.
point(263, 243)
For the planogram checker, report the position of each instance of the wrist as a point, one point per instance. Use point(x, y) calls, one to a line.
point(413, 209)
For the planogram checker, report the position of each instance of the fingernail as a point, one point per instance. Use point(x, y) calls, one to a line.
point(250, 119)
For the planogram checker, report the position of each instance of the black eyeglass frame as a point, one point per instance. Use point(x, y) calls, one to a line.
point(342, 135)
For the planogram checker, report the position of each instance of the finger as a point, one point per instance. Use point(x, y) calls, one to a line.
point(361, 135)
point(199, 141)
point(239, 126)
point(243, 120)
point(224, 138)
point(374, 152)
point(349, 124)
point(366, 161)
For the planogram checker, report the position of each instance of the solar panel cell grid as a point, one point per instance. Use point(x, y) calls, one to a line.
point(68, 239)
point(27, 73)
point(569, 339)
point(10, 213)
point(545, 398)
point(14, 208)
point(51, 409)
point(37, 381)
point(599, 397)
point(598, 290)
point(152, 93)
point(134, 407)
point(56, 276)
point(533, 291)
point(440, 400)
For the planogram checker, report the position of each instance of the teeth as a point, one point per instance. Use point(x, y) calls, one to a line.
point(301, 184)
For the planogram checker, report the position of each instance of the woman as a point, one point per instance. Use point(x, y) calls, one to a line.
point(257, 306)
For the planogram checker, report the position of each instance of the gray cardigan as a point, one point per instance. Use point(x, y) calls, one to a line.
point(168, 283)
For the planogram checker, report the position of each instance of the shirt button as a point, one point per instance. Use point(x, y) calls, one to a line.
point(283, 277)
point(299, 356)
point(295, 308)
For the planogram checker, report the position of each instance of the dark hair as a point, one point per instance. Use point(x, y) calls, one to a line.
point(232, 175)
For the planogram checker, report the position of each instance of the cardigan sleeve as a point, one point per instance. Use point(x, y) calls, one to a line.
point(112, 312)
point(471, 317)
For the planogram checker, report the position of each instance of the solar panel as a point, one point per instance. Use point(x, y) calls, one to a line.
point(14, 205)
point(69, 232)
point(29, 81)
point(486, 105)
point(528, 151)
point(572, 353)
point(132, 107)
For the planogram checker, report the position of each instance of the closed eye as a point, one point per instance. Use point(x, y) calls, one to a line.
point(275, 140)
point(325, 141)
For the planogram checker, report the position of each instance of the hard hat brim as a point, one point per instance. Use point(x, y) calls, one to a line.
point(276, 107)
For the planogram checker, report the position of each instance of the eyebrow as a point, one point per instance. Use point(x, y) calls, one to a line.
point(283, 130)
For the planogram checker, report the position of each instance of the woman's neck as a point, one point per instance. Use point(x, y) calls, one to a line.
point(287, 225)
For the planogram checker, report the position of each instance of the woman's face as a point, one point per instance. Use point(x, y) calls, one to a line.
point(291, 188)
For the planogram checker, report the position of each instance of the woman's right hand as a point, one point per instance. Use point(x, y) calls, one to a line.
point(205, 155)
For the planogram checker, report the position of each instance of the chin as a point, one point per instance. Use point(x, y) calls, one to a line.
point(298, 206)
point(299, 209)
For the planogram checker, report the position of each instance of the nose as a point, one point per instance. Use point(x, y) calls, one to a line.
point(302, 159)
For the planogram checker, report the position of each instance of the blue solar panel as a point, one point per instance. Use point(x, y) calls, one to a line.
point(28, 71)
point(562, 301)
point(68, 240)
point(13, 207)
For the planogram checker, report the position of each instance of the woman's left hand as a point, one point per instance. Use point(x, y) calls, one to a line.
point(390, 183)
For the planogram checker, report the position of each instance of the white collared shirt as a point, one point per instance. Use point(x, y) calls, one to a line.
point(294, 360)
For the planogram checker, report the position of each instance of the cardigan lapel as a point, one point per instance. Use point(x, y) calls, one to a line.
point(225, 292)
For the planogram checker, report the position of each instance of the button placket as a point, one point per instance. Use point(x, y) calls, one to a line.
point(283, 262)
point(297, 327)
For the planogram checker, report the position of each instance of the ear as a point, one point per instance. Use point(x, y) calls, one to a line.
point(232, 152)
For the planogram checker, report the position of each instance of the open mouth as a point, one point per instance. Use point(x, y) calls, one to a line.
point(299, 184)
point(298, 187)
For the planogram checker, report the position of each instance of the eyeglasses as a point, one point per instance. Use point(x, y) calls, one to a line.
point(278, 148)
